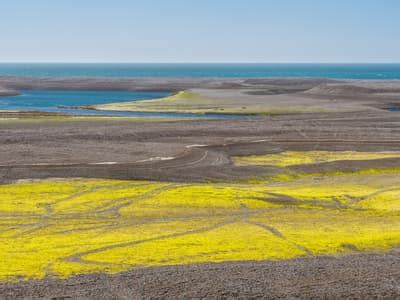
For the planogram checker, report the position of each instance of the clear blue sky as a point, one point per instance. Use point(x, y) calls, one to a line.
point(200, 30)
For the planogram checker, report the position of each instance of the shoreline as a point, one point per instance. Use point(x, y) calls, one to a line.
point(247, 97)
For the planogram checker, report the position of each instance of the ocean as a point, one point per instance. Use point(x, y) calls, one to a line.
point(338, 71)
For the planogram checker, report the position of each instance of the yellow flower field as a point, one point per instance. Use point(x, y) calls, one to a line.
point(66, 227)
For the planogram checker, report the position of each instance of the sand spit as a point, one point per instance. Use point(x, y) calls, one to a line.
point(8, 92)
point(160, 84)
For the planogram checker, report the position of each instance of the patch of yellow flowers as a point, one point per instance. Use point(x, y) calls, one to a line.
point(292, 158)
point(61, 228)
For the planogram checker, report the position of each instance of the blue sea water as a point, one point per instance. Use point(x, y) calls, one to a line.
point(69, 102)
point(339, 71)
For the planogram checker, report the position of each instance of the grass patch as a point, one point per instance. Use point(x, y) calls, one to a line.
point(192, 101)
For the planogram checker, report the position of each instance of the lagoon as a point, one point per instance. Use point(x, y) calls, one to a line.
point(70, 102)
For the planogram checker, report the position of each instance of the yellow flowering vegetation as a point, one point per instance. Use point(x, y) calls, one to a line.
point(66, 227)
point(292, 158)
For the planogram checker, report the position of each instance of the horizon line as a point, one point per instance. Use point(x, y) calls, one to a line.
point(198, 63)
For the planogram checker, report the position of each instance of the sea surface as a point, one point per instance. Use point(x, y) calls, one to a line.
point(339, 71)
point(69, 102)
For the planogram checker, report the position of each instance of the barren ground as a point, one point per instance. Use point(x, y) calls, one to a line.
point(354, 276)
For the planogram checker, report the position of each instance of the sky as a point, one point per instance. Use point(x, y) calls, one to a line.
point(200, 31)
